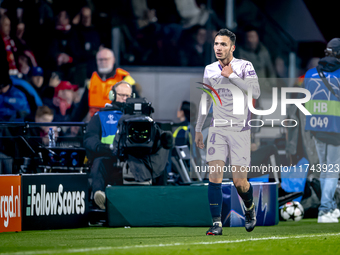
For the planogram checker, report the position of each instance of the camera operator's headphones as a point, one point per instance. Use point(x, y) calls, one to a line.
point(113, 92)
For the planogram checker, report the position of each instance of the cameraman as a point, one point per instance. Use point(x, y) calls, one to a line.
point(98, 142)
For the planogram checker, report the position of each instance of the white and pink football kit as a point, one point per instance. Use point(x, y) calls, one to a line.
point(230, 136)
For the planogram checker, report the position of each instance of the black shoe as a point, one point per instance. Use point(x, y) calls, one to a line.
point(250, 219)
point(215, 230)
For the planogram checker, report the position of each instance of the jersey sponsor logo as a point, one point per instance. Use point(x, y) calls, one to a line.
point(251, 73)
point(224, 93)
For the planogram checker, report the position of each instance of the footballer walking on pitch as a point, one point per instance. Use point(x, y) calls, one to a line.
point(226, 140)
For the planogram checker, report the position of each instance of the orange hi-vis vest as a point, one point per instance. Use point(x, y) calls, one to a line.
point(99, 89)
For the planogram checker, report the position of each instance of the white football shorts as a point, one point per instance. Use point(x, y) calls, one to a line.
point(223, 143)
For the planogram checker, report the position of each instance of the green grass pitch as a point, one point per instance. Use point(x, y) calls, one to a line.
point(303, 237)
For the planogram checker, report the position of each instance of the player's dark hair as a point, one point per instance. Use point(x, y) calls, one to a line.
point(226, 32)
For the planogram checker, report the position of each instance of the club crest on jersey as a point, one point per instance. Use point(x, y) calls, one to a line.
point(211, 150)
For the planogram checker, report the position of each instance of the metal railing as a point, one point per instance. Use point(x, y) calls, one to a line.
point(30, 155)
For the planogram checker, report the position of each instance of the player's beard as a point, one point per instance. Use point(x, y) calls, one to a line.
point(225, 60)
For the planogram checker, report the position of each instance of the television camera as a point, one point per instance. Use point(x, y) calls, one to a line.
point(138, 134)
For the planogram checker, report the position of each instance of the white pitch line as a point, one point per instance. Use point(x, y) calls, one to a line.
point(166, 245)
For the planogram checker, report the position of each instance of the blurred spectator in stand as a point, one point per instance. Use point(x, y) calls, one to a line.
point(141, 35)
point(167, 20)
point(63, 101)
point(281, 69)
point(11, 49)
point(17, 47)
point(21, 44)
point(39, 28)
point(49, 84)
point(281, 72)
point(20, 31)
point(255, 52)
point(168, 44)
point(96, 94)
point(38, 17)
point(24, 58)
point(49, 90)
point(90, 42)
point(24, 66)
point(44, 114)
point(30, 94)
point(45, 12)
point(110, 14)
point(39, 135)
point(193, 13)
point(148, 41)
point(3, 59)
point(6, 161)
point(166, 11)
point(36, 79)
point(13, 102)
point(64, 48)
point(194, 50)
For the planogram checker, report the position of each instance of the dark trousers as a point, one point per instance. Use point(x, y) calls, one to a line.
point(104, 172)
